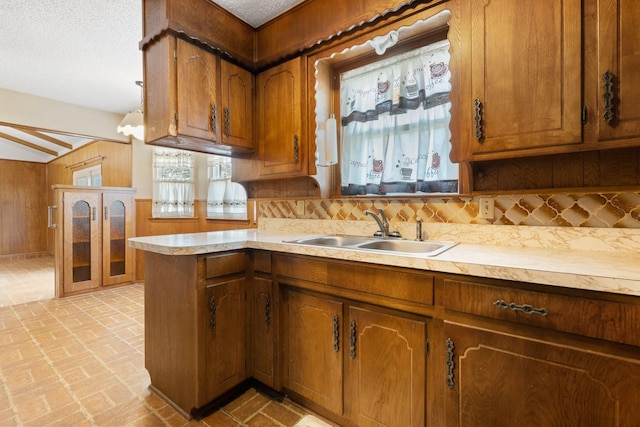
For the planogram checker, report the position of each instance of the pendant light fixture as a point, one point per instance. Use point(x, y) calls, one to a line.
point(133, 122)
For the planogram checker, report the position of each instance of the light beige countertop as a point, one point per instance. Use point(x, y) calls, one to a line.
point(569, 262)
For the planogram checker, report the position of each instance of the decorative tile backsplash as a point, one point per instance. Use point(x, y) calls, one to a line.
point(600, 210)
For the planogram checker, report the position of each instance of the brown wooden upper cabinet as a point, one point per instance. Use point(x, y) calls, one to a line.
point(283, 148)
point(617, 110)
point(523, 63)
point(527, 82)
point(196, 101)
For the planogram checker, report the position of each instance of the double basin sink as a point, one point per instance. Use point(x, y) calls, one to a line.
point(395, 245)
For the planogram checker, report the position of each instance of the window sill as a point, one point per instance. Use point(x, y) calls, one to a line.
point(174, 218)
point(228, 217)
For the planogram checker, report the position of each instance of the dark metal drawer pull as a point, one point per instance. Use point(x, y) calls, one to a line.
point(352, 338)
point(525, 308)
point(477, 118)
point(450, 363)
point(336, 333)
point(609, 113)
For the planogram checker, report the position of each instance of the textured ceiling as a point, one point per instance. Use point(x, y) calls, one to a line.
point(85, 52)
point(256, 12)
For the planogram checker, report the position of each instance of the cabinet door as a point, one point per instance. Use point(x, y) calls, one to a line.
point(618, 69)
point(117, 227)
point(263, 331)
point(385, 379)
point(225, 346)
point(198, 114)
point(313, 349)
point(280, 112)
point(504, 380)
point(237, 104)
point(82, 241)
point(525, 75)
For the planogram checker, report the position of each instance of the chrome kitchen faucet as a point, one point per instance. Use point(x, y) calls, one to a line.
point(383, 224)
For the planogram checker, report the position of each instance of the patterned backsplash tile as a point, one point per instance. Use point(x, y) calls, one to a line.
point(600, 210)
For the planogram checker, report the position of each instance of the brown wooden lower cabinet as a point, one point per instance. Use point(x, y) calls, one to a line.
point(226, 342)
point(91, 231)
point(500, 379)
point(195, 326)
point(263, 320)
point(368, 345)
point(313, 348)
point(385, 370)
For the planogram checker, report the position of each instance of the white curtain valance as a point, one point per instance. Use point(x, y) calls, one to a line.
point(419, 78)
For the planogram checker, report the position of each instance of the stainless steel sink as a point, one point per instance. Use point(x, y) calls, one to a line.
point(430, 248)
point(335, 241)
point(373, 244)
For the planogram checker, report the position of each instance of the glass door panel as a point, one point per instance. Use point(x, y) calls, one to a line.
point(81, 241)
point(117, 227)
point(81, 245)
point(117, 233)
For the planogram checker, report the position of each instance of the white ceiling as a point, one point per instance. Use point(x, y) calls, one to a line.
point(85, 52)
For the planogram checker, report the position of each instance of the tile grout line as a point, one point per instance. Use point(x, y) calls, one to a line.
point(50, 363)
point(125, 384)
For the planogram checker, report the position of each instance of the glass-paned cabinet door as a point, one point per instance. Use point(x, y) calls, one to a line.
point(116, 213)
point(116, 229)
point(81, 241)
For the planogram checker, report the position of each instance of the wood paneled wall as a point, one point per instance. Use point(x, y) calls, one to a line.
point(594, 169)
point(116, 169)
point(23, 208)
point(148, 226)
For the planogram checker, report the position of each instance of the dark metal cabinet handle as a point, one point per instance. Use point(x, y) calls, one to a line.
point(609, 114)
point(295, 149)
point(214, 118)
point(352, 338)
point(450, 363)
point(336, 333)
point(106, 213)
point(267, 310)
point(525, 308)
point(93, 214)
point(227, 129)
point(212, 313)
point(477, 108)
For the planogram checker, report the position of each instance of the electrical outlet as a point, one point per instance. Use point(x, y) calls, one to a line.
point(300, 208)
point(486, 207)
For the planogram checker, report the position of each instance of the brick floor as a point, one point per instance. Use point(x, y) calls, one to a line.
point(79, 361)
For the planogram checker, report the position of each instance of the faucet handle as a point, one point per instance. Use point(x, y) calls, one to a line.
point(385, 222)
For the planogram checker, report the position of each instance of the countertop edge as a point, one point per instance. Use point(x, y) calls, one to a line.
point(586, 270)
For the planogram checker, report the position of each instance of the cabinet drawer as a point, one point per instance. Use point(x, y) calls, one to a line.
point(262, 261)
point(597, 318)
point(313, 270)
point(225, 264)
point(387, 282)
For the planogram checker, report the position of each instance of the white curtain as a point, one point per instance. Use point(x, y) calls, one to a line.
point(225, 199)
point(395, 125)
point(173, 183)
